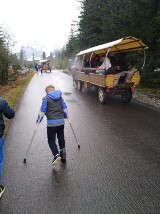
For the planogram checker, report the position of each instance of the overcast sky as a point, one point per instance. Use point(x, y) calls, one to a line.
point(46, 21)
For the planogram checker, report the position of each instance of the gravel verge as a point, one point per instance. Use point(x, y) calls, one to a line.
point(147, 99)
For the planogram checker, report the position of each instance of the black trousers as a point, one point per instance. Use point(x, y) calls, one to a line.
point(52, 133)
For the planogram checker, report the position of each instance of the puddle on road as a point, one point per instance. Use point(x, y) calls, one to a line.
point(67, 93)
point(70, 100)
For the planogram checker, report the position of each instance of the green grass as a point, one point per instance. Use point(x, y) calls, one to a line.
point(14, 94)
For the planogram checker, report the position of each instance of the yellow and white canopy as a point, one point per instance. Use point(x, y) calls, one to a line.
point(120, 45)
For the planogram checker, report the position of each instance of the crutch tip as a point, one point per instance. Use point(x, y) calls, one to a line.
point(24, 161)
point(78, 146)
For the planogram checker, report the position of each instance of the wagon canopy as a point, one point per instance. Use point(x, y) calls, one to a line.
point(120, 45)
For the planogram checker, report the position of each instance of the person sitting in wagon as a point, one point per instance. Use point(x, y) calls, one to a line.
point(106, 64)
point(96, 62)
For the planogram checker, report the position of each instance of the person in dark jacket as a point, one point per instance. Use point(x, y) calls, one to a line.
point(36, 67)
point(8, 112)
point(55, 109)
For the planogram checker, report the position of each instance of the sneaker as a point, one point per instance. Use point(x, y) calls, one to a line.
point(56, 159)
point(2, 188)
point(63, 154)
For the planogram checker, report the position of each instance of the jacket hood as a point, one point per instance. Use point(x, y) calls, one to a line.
point(55, 95)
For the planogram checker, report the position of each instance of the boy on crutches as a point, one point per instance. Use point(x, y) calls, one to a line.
point(55, 109)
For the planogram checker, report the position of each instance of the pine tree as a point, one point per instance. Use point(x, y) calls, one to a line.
point(4, 58)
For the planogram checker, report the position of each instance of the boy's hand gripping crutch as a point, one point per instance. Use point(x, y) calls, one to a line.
point(24, 161)
point(74, 133)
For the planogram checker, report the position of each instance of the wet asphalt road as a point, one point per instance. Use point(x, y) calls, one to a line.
point(116, 170)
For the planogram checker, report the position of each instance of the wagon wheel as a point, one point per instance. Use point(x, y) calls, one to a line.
point(102, 95)
point(127, 97)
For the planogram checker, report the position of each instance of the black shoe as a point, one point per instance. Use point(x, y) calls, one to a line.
point(63, 154)
point(2, 189)
point(56, 159)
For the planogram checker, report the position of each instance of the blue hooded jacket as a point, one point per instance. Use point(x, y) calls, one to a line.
point(55, 108)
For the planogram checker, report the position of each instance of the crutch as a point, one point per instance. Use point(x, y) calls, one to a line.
point(74, 134)
point(24, 161)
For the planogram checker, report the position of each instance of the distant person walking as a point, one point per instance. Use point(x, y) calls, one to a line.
point(8, 112)
point(36, 67)
point(41, 68)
